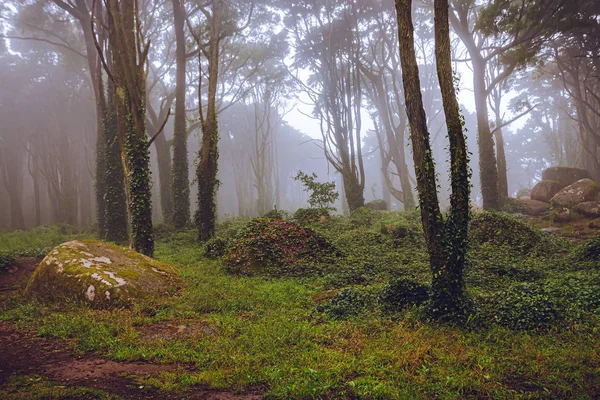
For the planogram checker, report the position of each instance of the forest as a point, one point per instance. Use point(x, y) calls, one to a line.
point(318, 199)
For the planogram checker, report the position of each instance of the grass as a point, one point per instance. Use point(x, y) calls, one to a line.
point(268, 335)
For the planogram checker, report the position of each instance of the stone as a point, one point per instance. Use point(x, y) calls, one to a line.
point(562, 215)
point(581, 191)
point(530, 207)
point(594, 224)
point(590, 209)
point(565, 176)
point(378, 204)
point(545, 190)
point(524, 194)
point(102, 275)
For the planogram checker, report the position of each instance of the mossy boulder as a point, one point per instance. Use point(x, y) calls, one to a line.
point(102, 275)
point(545, 190)
point(581, 191)
point(502, 229)
point(590, 209)
point(277, 248)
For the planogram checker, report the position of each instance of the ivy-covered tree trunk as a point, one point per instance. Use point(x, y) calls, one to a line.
point(448, 295)
point(115, 217)
point(206, 173)
point(446, 240)
point(163, 161)
point(129, 76)
point(180, 181)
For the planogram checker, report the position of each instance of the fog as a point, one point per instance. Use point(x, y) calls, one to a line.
point(309, 85)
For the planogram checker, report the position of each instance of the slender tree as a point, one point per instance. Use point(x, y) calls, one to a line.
point(445, 239)
point(180, 180)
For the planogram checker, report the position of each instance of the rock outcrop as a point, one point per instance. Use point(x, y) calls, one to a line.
point(590, 209)
point(102, 275)
point(565, 176)
point(545, 190)
point(581, 191)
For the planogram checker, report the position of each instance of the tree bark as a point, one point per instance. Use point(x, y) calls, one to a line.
point(180, 180)
point(206, 172)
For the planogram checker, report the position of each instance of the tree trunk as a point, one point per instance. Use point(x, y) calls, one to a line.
point(206, 172)
point(163, 161)
point(115, 217)
point(448, 284)
point(485, 140)
point(180, 186)
point(431, 216)
point(502, 171)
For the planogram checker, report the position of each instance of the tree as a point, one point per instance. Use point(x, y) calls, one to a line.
point(446, 239)
point(128, 73)
point(180, 180)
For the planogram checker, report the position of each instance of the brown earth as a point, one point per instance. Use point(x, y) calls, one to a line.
point(22, 352)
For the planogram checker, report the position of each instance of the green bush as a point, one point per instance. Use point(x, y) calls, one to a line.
point(215, 247)
point(363, 217)
point(322, 195)
point(585, 255)
point(276, 214)
point(277, 248)
point(499, 228)
point(308, 216)
point(348, 303)
point(402, 293)
point(524, 306)
point(377, 204)
point(6, 260)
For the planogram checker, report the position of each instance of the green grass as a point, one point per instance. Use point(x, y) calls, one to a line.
point(268, 335)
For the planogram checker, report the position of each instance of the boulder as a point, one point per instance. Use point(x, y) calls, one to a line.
point(562, 215)
point(581, 191)
point(378, 204)
point(595, 224)
point(590, 209)
point(545, 190)
point(524, 194)
point(565, 176)
point(102, 275)
point(531, 207)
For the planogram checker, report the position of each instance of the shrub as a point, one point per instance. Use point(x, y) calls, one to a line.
point(277, 248)
point(524, 306)
point(276, 214)
point(308, 216)
point(6, 260)
point(377, 205)
point(347, 303)
point(215, 247)
point(586, 254)
point(500, 228)
point(322, 195)
point(402, 293)
point(363, 217)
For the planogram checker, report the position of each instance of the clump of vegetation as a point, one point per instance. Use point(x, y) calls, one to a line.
point(308, 216)
point(524, 306)
point(348, 303)
point(215, 248)
point(586, 254)
point(276, 214)
point(322, 195)
point(6, 260)
point(377, 204)
point(402, 293)
point(500, 228)
point(277, 248)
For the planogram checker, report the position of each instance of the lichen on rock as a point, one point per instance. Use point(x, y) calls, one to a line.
point(102, 275)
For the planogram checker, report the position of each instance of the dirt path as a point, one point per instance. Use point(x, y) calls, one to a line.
point(23, 353)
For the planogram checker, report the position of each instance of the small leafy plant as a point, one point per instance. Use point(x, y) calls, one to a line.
point(322, 195)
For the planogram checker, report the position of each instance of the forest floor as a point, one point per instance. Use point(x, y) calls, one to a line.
point(326, 333)
point(37, 367)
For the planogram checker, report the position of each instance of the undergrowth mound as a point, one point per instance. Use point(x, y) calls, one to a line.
point(499, 228)
point(277, 248)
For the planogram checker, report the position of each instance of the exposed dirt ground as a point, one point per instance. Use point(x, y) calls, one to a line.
point(23, 353)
